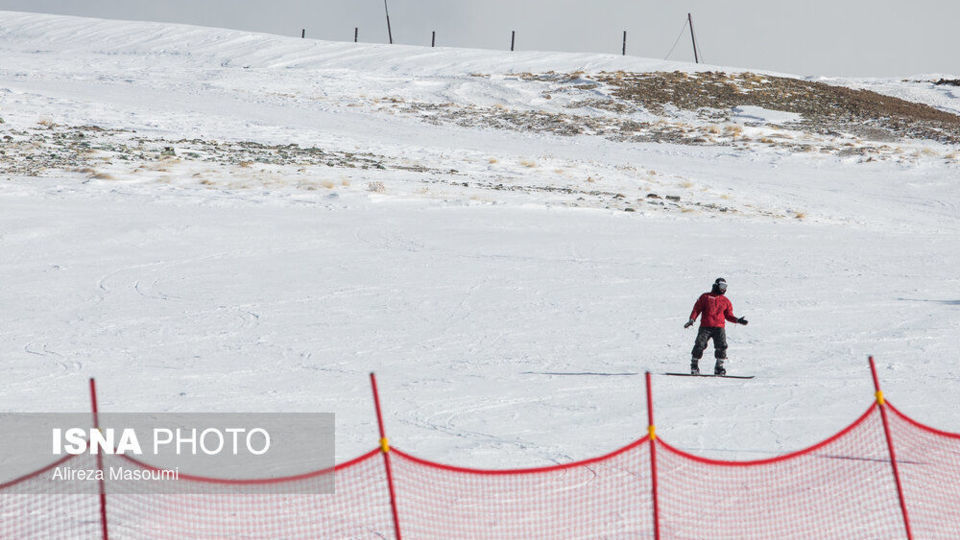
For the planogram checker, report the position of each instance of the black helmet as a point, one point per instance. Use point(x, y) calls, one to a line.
point(720, 285)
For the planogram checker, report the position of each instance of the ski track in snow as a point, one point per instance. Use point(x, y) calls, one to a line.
point(506, 328)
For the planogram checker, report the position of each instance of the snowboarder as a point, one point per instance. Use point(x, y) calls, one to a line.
point(716, 309)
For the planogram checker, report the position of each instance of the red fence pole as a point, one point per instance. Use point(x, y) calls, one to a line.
point(103, 493)
point(893, 455)
point(385, 451)
point(653, 459)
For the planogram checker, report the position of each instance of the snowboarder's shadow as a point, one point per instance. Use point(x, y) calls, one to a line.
point(580, 373)
point(944, 302)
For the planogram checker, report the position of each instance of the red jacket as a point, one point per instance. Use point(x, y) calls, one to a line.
point(715, 308)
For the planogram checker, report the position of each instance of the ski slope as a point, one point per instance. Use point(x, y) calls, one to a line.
point(508, 327)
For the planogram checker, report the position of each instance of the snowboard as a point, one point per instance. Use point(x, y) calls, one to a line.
point(711, 375)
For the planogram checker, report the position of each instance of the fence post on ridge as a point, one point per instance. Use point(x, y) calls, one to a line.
point(696, 57)
point(881, 404)
point(389, 31)
point(653, 459)
point(385, 451)
point(103, 494)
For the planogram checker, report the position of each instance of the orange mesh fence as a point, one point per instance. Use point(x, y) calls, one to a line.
point(929, 464)
point(608, 497)
point(843, 487)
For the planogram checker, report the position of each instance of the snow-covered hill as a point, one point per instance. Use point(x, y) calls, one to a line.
point(215, 220)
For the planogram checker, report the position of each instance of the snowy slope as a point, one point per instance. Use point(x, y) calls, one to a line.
point(508, 325)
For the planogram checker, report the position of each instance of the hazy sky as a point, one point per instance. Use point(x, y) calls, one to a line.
point(812, 37)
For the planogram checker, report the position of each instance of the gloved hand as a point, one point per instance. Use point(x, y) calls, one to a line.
point(742, 321)
point(689, 324)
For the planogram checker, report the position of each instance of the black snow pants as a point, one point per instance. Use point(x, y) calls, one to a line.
point(719, 336)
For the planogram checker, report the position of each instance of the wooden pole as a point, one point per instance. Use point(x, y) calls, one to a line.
point(389, 32)
point(513, 39)
point(103, 493)
point(624, 43)
point(433, 39)
point(881, 403)
point(696, 57)
point(385, 451)
point(356, 32)
point(653, 459)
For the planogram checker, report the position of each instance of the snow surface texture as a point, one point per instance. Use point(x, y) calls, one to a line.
point(509, 286)
point(748, 113)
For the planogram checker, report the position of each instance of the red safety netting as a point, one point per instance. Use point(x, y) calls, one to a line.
point(929, 465)
point(843, 487)
point(207, 508)
point(199, 507)
point(30, 507)
point(840, 488)
point(607, 497)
